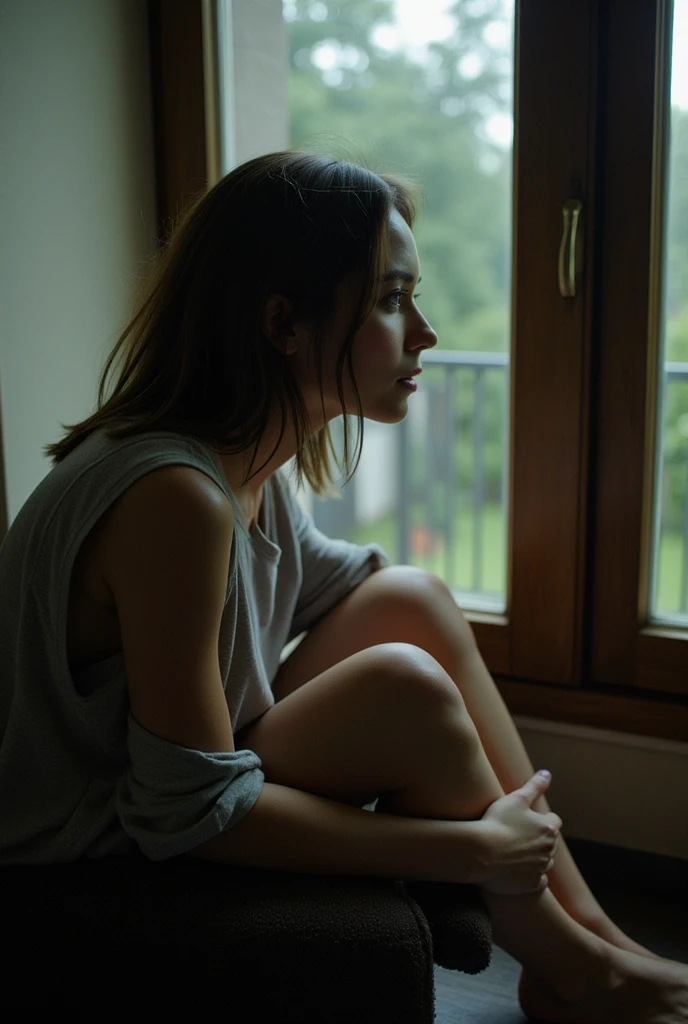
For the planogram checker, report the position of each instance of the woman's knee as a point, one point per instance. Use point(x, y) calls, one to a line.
point(361, 727)
point(394, 683)
point(414, 682)
point(410, 673)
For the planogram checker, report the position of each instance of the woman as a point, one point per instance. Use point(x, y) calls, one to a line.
point(163, 564)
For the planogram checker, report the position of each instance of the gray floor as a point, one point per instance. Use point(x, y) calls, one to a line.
point(658, 921)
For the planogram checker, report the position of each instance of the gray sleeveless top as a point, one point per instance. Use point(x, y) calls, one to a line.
point(79, 777)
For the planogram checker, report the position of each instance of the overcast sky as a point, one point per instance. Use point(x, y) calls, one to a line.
point(421, 22)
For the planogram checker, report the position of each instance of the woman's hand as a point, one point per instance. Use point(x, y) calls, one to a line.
point(520, 843)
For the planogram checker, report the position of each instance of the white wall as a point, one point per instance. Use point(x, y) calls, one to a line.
point(613, 787)
point(77, 214)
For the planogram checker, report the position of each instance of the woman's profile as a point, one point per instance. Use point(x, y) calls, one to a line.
point(152, 580)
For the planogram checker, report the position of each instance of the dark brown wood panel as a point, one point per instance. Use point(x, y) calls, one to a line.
point(549, 399)
point(659, 655)
point(624, 651)
point(177, 83)
point(617, 712)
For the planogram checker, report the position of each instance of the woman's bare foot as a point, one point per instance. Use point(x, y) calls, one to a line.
point(631, 989)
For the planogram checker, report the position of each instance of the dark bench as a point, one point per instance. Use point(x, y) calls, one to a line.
point(127, 939)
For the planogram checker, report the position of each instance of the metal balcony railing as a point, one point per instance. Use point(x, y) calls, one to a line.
point(445, 431)
point(673, 373)
point(440, 464)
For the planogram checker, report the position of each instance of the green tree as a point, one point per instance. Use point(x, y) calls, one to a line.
point(351, 96)
point(675, 448)
point(677, 230)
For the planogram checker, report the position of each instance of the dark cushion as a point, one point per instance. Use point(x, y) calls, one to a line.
point(103, 938)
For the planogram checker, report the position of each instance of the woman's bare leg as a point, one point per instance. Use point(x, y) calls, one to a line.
point(403, 602)
point(417, 749)
point(570, 975)
point(509, 758)
point(512, 766)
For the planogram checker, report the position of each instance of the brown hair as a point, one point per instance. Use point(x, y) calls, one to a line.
point(195, 359)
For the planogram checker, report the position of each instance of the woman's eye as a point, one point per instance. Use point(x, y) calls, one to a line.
point(393, 298)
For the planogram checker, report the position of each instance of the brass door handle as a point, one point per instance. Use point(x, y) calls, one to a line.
point(567, 250)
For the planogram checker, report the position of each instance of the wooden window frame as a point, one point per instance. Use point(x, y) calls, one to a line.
point(181, 113)
point(627, 649)
point(545, 652)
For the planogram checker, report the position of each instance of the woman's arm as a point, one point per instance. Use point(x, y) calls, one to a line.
point(290, 830)
point(166, 563)
point(167, 566)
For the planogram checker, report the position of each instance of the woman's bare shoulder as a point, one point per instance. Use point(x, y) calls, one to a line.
point(161, 500)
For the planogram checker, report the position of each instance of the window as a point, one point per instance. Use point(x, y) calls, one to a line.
point(586, 455)
point(428, 92)
point(668, 583)
point(638, 605)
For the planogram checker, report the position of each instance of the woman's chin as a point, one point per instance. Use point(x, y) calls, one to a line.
point(388, 415)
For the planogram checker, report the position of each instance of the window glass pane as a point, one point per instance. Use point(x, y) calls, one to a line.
point(426, 90)
point(669, 599)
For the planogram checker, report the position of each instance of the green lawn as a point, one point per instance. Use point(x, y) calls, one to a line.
point(460, 573)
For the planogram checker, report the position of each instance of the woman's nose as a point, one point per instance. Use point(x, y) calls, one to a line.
point(422, 337)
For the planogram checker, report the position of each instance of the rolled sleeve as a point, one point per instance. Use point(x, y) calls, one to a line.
point(331, 570)
point(172, 798)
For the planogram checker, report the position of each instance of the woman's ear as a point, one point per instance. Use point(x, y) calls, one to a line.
point(276, 324)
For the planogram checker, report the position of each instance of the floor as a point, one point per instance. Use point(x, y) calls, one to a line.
point(645, 895)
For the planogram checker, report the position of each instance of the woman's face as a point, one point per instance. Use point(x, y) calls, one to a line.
point(388, 345)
